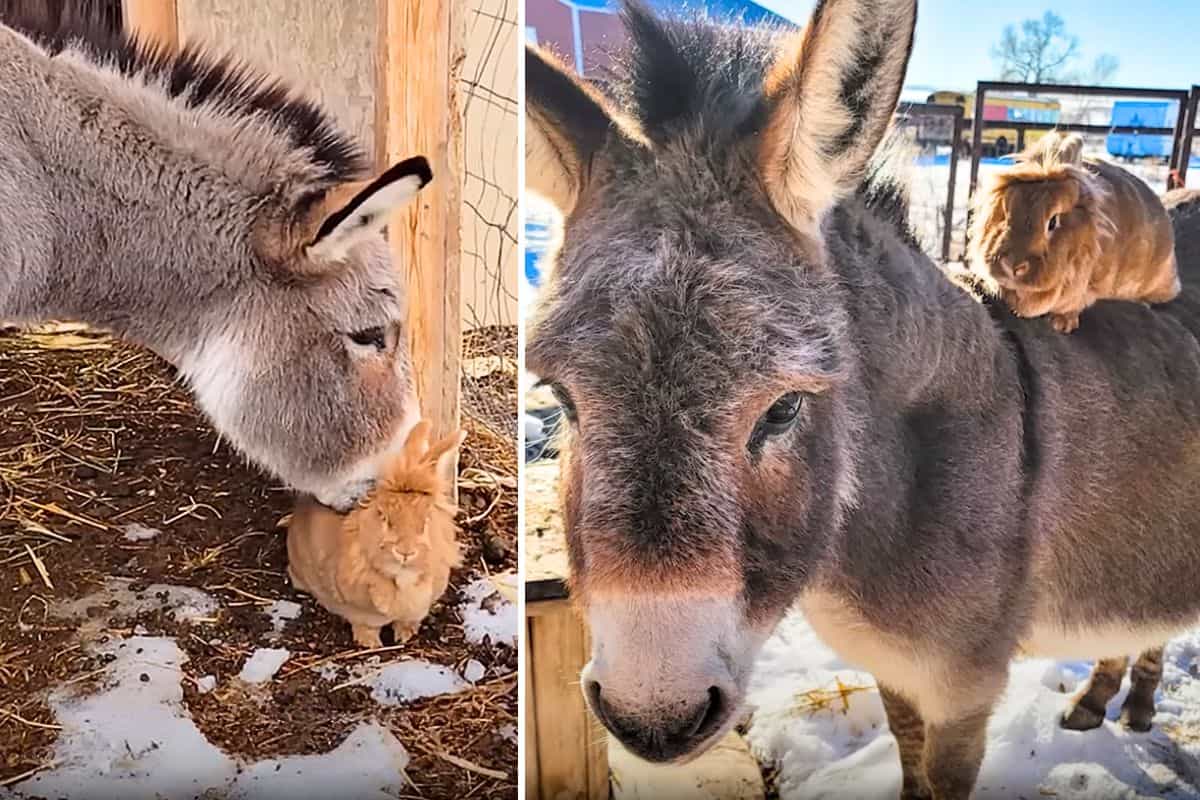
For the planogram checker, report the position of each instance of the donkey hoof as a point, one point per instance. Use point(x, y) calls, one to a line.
point(1081, 718)
point(1137, 718)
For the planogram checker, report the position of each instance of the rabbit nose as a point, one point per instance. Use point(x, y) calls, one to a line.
point(1018, 269)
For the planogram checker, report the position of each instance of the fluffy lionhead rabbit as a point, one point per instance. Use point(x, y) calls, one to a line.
point(1056, 232)
point(388, 560)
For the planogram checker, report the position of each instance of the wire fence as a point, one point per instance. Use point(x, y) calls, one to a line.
point(489, 215)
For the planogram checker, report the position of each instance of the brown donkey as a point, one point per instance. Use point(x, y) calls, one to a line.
point(775, 399)
point(205, 212)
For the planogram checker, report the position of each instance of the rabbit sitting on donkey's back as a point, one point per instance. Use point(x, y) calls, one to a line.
point(1056, 232)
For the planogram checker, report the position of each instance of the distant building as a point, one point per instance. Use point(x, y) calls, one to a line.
point(585, 32)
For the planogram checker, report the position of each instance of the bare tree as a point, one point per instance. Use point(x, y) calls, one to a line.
point(1092, 110)
point(1104, 69)
point(1038, 53)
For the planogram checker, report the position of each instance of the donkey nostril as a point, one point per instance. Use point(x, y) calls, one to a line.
point(707, 716)
point(593, 694)
point(1021, 270)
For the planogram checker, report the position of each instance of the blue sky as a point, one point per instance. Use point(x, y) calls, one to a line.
point(1157, 41)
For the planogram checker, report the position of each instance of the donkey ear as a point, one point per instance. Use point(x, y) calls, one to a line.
point(831, 96)
point(351, 212)
point(567, 122)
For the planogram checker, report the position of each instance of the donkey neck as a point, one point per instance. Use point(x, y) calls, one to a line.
point(946, 451)
point(922, 340)
point(129, 210)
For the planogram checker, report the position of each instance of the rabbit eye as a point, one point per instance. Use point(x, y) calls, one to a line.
point(1052, 225)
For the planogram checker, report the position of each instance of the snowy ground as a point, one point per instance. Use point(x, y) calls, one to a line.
point(131, 736)
point(822, 723)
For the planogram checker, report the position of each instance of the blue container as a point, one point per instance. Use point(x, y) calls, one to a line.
point(541, 226)
point(1138, 113)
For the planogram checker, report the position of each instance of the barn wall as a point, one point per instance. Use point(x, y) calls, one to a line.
point(550, 22)
point(331, 56)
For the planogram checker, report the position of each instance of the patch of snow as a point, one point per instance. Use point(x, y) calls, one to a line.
point(833, 744)
point(263, 663)
point(116, 599)
point(206, 684)
point(485, 612)
point(368, 764)
point(135, 739)
point(508, 732)
point(474, 671)
point(137, 532)
point(281, 612)
point(405, 681)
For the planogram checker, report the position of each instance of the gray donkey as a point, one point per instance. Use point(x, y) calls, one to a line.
point(775, 399)
point(206, 212)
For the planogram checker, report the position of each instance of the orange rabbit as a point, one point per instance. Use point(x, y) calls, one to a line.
point(389, 559)
point(1055, 233)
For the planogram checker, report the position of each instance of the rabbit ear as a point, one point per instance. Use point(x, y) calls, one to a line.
point(1054, 149)
point(1070, 150)
point(443, 453)
point(417, 444)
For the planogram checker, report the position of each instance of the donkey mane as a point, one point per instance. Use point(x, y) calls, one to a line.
point(694, 74)
point(195, 76)
point(700, 78)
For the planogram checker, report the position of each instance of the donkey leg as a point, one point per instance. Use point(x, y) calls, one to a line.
point(909, 729)
point(954, 752)
point(1087, 710)
point(1138, 709)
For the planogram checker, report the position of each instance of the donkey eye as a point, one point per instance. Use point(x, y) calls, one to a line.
point(370, 337)
point(564, 401)
point(1052, 224)
point(782, 412)
point(778, 419)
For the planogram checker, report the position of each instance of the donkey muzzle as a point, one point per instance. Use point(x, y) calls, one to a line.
point(670, 732)
point(667, 674)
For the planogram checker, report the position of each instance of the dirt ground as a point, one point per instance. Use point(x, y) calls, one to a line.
point(95, 436)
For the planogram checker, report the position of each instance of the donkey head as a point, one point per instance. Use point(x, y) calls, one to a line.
point(308, 371)
point(697, 338)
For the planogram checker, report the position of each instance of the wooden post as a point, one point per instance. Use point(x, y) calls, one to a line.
point(571, 746)
point(1189, 131)
point(421, 52)
point(567, 758)
point(533, 780)
point(956, 126)
point(153, 21)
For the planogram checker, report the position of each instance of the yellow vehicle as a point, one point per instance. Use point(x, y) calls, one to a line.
point(1000, 108)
